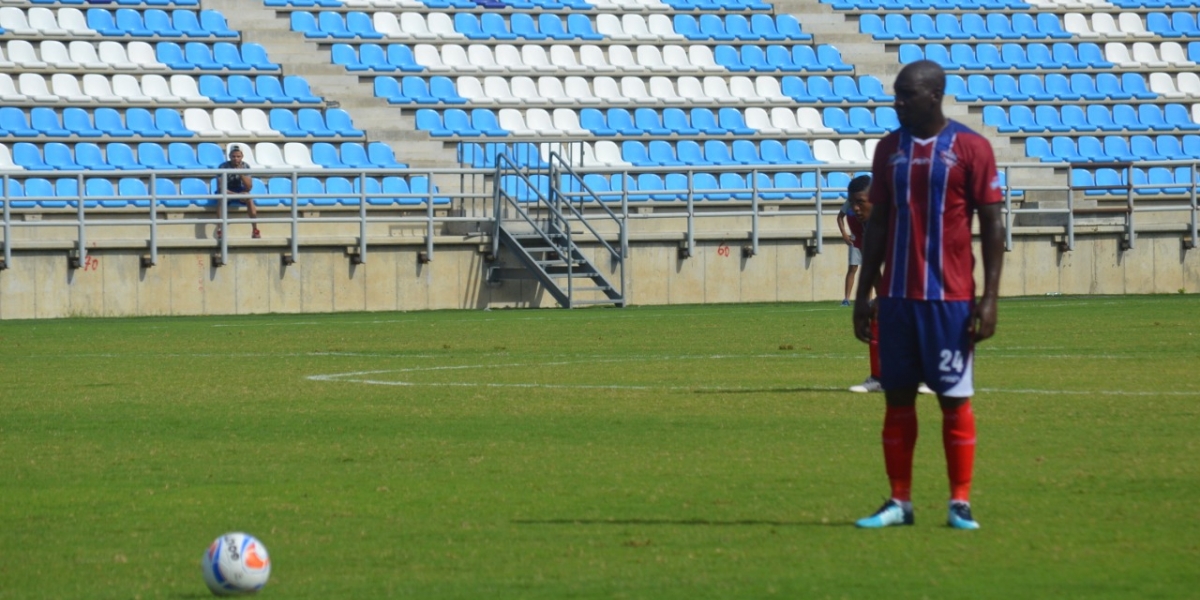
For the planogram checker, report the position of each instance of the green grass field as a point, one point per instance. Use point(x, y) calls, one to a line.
point(675, 452)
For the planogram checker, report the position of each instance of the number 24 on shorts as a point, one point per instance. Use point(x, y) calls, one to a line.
point(952, 361)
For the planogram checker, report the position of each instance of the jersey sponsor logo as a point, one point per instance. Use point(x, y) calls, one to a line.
point(949, 158)
point(899, 158)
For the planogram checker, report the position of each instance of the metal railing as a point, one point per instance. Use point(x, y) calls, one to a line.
point(434, 209)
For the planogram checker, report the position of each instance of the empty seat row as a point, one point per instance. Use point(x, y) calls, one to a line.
point(120, 89)
point(983, 57)
point(118, 2)
point(1029, 87)
point(111, 55)
point(1103, 25)
point(806, 120)
point(167, 122)
point(968, 26)
point(1045, 118)
point(1185, 84)
point(823, 57)
point(123, 22)
point(1152, 181)
point(1112, 148)
point(928, 4)
point(130, 192)
point(680, 187)
point(1177, 24)
point(57, 156)
point(574, 90)
point(1141, 55)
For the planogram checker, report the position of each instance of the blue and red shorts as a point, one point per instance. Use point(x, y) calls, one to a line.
point(926, 340)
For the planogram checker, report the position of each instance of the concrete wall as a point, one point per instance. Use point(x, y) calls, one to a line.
point(39, 284)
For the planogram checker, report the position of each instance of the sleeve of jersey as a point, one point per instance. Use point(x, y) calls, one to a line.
point(984, 184)
point(881, 177)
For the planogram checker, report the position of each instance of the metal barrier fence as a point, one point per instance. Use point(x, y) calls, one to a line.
point(464, 195)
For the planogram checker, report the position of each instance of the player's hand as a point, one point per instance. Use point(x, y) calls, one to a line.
point(849, 239)
point(983, 320)
point(863, 311)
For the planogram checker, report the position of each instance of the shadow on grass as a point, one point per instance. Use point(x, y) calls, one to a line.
point(692, 522)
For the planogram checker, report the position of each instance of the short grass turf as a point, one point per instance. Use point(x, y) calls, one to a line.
point(665, 452)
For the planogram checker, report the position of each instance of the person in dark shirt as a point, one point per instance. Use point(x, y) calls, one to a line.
point(237, 188)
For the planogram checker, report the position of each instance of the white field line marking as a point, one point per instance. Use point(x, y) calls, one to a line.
point(360, 377)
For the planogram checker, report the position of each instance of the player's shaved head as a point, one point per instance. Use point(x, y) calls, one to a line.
point(919, 89)
point(924, 74)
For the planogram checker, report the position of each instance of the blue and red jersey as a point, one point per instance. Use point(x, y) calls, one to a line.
point(933, 188)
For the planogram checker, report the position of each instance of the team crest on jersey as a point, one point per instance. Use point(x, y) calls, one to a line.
point(950, 158)
point(898, 158)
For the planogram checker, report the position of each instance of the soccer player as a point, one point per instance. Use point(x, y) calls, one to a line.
point(931, 177)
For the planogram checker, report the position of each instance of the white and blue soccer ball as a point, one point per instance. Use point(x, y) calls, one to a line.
point(236, 564)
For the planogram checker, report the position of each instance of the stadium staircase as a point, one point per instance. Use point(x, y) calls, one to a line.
point(542, 230)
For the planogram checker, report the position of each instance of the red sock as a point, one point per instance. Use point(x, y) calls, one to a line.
point(874, 348)
point(958, 437)
point(899, 439)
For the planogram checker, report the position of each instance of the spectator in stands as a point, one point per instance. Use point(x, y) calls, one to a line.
point(237, 189)
point(851, 226)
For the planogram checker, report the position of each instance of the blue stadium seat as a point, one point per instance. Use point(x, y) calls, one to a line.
point(1048, 119)
point(443, 91)
point(820, 88)
point(704, 120)
point(730, 58)
point(1093, 56)
point(635, 154)
point(795, 88)
point(707, 188)
point(182, 156)
point(1032, 87)
point(800, 152)
point(468, 25)
point(345, 56)
point(401, 58)
point(647, 120)
point(689, 152)
point(662, 153)
point(1067, 55)
point(200, 57)
point(88, 157)
point(242, 88)
point(731, 120)
point(885, 117)
point(339, 121)
point(14, 122)
point(131, 192)
point(45, 121)
point(58, 156)
point(430, 121)
point(949, 28)
point(1058, 85)
point(957, 56)
point(151, 155)
point(256, 56)
point(333, 26)
point(792, 188)
point(214, 87)
point(974, 25)
point(1049, 25)
point(717, 153)
point(1000, 27)
point(1015, 56)
point(1090, 149)
point(845, 87)
point(1160, 24)
point(997, 117)
point(1131, 83)
point(773, 152)
point(375, 58)
point(159, 22)
point(170, 54)
point(1073, 117)
point(1097, 117)
point(1116, 148)
point(169, 120)
point(268, 87)
point(130, 22)
point(754, 58)
point(523, 26)
point(354, 156)
point(863, 120)
point(227, 54)
point(735, 185)
point(578, 26)
point(805, 59)
point(296, 87)
point(381, 156)
point(96, 188)
point(764, 28)
point(485, 121)
point(78, 123)
point(1039, 148)
point(346, 195)
point(1177, 115)
point(284, 121)
point(676, 120)
point(1126, 116)
point(389, 89)
point(140, 121)
point(910, 53)
point(868, 24)
point(621, 121)
point(311, 121)
point(1152, 116)
point(306, 23)
point(359, 24)
point(212, 22)
point(745, 152)
point(645, 187)
point(830, 58)
point(713, 28)
point(1169, 147)
point(44, 189)
point(189, 24)
point(897, 27)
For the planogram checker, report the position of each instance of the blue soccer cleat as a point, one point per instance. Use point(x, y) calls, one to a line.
point(891, 513)
point(960, 516)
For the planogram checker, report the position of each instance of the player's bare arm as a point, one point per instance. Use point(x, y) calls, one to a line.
point(991, 233)
point(873, 250)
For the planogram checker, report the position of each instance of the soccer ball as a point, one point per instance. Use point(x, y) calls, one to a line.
point(235, 564)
